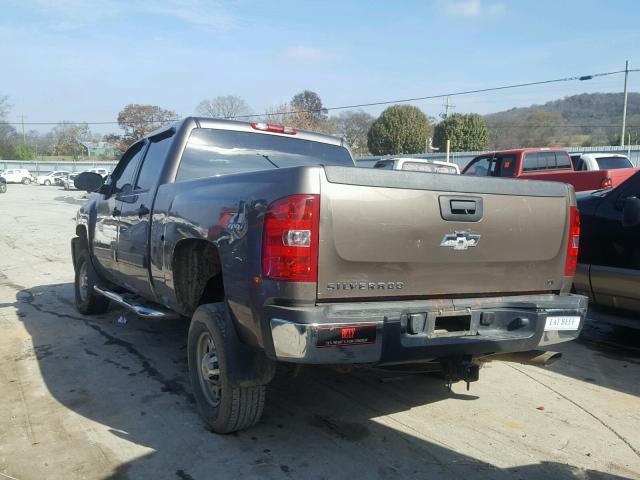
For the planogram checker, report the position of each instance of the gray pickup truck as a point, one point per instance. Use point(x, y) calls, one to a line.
point(278, 249)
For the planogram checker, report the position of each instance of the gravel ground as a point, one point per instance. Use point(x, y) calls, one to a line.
point(88, 397)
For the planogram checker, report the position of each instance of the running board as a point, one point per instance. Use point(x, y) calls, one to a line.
point(156, 313)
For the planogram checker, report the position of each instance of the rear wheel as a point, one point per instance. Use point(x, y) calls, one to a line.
point(26, 181)
point(3, 188)
point(47, 183)
point(224, 408)
point(88, 302)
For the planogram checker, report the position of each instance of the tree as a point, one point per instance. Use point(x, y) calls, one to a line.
point(138, 120)
point(228, 106)
point(465, 132)
point(354, 126)
point(309, 102)
point(23, 152)
point(68, 138)
point(399, 129)
point(541, 129)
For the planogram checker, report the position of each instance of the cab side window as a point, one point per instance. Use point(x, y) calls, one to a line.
point(127, 168)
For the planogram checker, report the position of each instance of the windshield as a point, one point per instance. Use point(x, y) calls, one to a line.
point(211, 152)
point(611, 163)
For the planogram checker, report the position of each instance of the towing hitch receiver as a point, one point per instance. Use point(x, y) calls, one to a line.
point(460, 368)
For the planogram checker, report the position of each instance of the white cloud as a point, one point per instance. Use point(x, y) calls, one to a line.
point(302, 53)
point(195, 12)
point(473, 8)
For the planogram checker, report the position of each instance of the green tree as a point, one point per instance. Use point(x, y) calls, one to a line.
point(23, 152)
point(466, 133)
point(399, 129)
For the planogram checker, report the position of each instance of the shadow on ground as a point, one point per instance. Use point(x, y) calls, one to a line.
point(317, 424)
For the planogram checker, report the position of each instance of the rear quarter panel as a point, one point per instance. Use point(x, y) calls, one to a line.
point(228, 212)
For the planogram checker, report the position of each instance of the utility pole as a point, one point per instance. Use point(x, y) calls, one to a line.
point(624, 108)
point(21, 117)
point(446, 106)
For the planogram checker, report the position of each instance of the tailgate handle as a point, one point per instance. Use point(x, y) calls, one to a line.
point(463, 207)
point(460, 209)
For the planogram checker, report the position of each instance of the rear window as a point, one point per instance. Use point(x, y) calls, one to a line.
point(210, 152)
point(545, 161)
point(611, 163)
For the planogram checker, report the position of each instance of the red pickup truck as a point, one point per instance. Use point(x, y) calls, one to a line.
point(544, 164)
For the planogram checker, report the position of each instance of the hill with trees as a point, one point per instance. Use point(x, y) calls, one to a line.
point(579, 120)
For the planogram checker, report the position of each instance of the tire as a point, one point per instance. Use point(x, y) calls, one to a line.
point(3, 188)
point(26, 181)
point(88, 302)
point(47, 183)
point(223, 408)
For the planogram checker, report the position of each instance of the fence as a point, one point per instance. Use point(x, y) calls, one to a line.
point(462, 158)
point(37, 167)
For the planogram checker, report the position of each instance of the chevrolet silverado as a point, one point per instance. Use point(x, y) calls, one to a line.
point(276, 248)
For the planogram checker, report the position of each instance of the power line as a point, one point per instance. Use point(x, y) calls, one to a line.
point(374, 104)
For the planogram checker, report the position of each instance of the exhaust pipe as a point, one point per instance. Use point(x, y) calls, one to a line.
point(539, 358)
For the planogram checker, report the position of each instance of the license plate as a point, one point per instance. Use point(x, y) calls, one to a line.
point(562, 323)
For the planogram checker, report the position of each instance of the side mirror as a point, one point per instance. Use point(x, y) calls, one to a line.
point(88, 181)
point(631, 212)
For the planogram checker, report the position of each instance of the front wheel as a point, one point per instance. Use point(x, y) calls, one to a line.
point(88, 302)
point(224, 408)
point(26, 181)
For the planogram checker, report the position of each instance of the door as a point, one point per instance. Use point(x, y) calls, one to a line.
point(105, 236)
point(135, 206)
point(10, 176)
point(615, 267)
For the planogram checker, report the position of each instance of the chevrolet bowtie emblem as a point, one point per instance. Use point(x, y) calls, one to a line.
point(460, 240)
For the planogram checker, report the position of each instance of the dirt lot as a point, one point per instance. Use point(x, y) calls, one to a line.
point(91, 398)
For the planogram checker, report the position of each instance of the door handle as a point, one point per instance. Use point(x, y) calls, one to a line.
point(116, 212)
point(142, 211)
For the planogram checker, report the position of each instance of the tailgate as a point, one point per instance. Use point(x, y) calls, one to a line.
point(619, 175)
point(404, 234)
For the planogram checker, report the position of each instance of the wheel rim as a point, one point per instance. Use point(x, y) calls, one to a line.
point(209, 369)
point(83, 281)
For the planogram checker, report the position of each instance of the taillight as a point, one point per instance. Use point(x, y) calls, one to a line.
point(573, 243)
point(290, 239)
point(606, 183)
point(270, 127)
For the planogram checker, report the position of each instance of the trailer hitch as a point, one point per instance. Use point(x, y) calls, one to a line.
point(460, 368)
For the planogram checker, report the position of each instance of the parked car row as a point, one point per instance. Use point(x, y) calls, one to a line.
point(57, 177)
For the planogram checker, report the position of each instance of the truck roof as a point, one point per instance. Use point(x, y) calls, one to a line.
point(222, 124)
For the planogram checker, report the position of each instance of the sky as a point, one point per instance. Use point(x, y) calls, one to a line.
point(84, 60)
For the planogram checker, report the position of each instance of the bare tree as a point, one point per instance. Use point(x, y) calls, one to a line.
point(138, 120)
point(68, 138)
point(227, 106)
point(354, 127)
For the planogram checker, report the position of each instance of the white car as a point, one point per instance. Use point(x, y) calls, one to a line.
point(600, 161)
point(100, 171)
point(418, 165)
point(18, 175)
point(52, 177)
